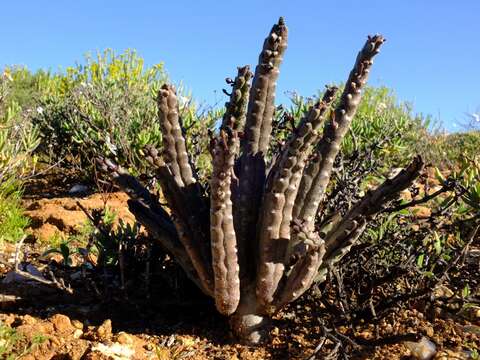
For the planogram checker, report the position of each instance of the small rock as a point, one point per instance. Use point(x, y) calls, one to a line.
point(78, 190)
point(442, 291)
point(13, 276)
point(367, 335)
point(46, 328)
point(77, 334)
point(388, 329)
point(116, 351)
point(429, 331)
point(28, 320)
point(423, 349)
point(55, 257)
point(7, 320)
point(77, 324)
point(124, 338)
point(62, 323)
point(104, 331)
point(472, 313)
point(449, 354)
point(28, 357)
point(422, 212)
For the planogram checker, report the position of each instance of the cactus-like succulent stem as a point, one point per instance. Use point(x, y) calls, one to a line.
point(317, 174)
point(188, 208)
point(188, 229)
point(256, 138)
point(150, 214)
point(224, 248)
point(136, 191)
point(278, 201)
point(249, 323)
point(261, 105)
point(340, 239)
point(374, 200)
point(303, 272)
point(174, 149)
point(344, 242)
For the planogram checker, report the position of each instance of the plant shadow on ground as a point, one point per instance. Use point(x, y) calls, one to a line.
point(161, 310)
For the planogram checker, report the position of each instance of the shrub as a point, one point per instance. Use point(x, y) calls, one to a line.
point(382, 124)
point(106, 107)
point(18, 139)
point(450, 150)
point(101, 107)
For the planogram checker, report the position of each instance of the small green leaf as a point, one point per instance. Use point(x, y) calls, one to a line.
point(439, 176)
point(437, 244)
point(420, 260)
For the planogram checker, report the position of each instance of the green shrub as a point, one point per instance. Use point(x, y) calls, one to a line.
point(18, 138)
point(107, 107)
point(388, 126)
point(449, 150)
point(14, 345)
point(8, 339)
point(25, 88)
point(383, 125)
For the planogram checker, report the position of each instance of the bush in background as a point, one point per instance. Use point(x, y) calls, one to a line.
point(382, 124)
point(106, 107)
point(18, 139)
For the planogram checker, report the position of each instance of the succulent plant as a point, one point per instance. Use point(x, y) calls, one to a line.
point(251, 240)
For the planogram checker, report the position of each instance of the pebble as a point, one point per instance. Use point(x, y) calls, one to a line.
point(77, 334)
point(442, 291)
point(423, 349)
point(124, 339)
point(104, 331)
point(448, 355)
point(429, 331)
point(62, 323)
point(79, 190)
point(28, 320)
point(14, 277)
point(77, 324)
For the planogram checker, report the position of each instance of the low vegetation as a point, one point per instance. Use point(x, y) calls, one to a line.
point(18, 139)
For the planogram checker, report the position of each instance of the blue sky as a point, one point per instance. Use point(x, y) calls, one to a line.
point(431, 57)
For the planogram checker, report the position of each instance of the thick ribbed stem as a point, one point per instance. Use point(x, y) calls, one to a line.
point(254, 144)
point(223, 238)
point(303, 271)
point(174, 149)
point(317, 174)
point(150, 214)
point(261, 105)
point(188, 206)
point(281, 190)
